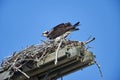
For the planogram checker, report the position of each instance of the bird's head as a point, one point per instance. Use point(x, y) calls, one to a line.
point(45, 33)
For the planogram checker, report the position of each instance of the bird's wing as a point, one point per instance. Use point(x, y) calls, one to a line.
point(61, 29)
point(57, 31)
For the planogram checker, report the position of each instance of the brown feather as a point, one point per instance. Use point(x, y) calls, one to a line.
point(60, 30)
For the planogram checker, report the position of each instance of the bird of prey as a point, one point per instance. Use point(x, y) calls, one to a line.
point(61, 31)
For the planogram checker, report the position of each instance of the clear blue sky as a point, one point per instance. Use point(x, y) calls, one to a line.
point(23, 21)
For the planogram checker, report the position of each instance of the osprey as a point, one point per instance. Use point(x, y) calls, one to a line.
point(61, 31)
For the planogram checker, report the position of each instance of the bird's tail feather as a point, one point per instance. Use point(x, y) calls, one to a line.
point(76, 24)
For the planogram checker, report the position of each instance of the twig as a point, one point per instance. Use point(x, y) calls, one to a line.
point(56, 54)
point(88, 41)
point(101, 74)
point(45, 42)
point(89, 37)
point(22, 72)
point(14, 62)
point(42, 55)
